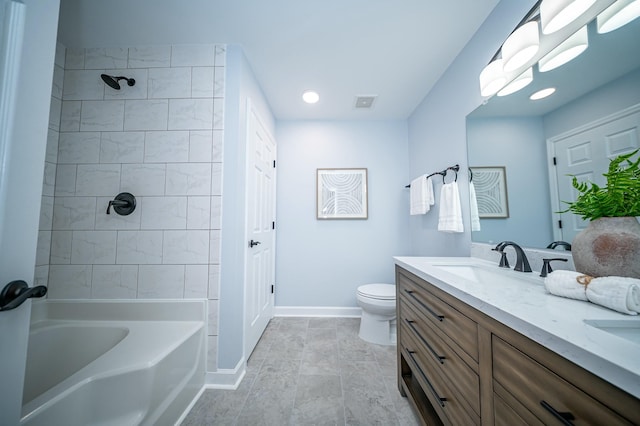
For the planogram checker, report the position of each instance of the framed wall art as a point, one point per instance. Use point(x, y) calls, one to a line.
point(341, 193)
point(491, 191)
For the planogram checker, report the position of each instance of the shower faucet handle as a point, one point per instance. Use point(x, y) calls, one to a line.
point(124, 204)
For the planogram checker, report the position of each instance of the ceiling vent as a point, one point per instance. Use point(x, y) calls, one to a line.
point(365, 102)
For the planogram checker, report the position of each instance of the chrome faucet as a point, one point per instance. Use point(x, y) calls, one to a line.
point(522, 263)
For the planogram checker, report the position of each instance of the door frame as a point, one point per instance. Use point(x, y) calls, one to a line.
point(251, 109)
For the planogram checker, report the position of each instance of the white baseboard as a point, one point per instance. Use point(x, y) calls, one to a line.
point(317, 311)
point(226, 378)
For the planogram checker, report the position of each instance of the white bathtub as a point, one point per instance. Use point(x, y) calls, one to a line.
point(113, 363)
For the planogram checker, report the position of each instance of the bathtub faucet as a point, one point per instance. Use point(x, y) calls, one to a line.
point(15, 293)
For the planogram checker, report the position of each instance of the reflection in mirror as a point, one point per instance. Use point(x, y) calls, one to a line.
point(524, 136)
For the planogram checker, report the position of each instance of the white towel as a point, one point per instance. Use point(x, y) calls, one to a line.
point(421, 195)
point(564, 283)
point(621, 294)
point(473, 201)
point(450, 219)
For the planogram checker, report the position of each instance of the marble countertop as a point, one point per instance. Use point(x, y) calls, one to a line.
point(555, 322)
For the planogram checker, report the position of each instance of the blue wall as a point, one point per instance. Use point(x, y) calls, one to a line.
point(608, 99)
point(437, 130)
point(322, 262)
point(519, 145)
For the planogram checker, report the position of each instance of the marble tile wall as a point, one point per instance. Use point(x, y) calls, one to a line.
point(160, 140)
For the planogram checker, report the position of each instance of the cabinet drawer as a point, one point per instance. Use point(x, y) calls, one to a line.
point(441, 356)
point(504, 415)
point(542, 392)
point(440, 314)
point(445, 400)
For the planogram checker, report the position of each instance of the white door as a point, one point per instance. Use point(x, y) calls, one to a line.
point(586, 155)
point(14, 324)
point(260, 229)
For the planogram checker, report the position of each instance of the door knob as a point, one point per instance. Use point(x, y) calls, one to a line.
point(253, 243)
point(16, 292)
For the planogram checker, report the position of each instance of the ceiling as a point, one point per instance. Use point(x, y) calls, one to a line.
point(340, 48)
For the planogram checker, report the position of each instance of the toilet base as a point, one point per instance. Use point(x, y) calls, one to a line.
point(377, 329)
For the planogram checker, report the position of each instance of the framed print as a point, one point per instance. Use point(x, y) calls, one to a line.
point(491, 191)
point(341, 193)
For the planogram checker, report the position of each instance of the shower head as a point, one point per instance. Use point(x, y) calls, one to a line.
point(113, 81)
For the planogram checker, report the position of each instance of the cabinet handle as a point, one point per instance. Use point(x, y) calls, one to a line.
point(433, 352)
point(440, 400)
point(435, 315)
point(564, 417)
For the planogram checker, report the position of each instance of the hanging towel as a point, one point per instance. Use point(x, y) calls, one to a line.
point(421, 195)
point(450, 210)
point(473, 201)
point(621, 294)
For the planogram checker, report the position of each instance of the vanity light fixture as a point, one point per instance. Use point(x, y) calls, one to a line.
point(566, 51)
point(557, 14)
point(519, 83)
point(540, 94)
point(520, 46)
point(310, 97)
point(492, 78)
point(617, 15)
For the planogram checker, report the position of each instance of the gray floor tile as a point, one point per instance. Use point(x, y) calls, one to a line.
point(311, 371)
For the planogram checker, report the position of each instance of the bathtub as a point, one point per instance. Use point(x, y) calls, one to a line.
point(113, 363)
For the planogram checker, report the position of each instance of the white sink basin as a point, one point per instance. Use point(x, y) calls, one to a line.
point(482, 274)
point(626, 329)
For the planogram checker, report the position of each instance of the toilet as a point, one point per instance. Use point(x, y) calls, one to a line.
point(378, 322)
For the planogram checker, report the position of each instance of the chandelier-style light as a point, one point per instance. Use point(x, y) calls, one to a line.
point(557, 14)
point(617, 15)
point(520, 46)
point(519, 83)
point(566, 51)
point(492, 78)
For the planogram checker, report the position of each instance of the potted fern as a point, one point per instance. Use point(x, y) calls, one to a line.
point(610, 245)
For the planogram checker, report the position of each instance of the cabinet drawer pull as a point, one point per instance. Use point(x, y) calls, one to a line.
point(433, 352)
point(440, 400)
point(435, 315)
point(563, 417)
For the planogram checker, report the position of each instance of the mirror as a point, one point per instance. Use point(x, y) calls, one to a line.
point(512, 132)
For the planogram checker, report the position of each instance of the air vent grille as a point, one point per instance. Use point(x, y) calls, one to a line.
point(365, 101)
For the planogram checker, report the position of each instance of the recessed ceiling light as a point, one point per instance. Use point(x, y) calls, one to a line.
point(542, 93)
point(310, 97)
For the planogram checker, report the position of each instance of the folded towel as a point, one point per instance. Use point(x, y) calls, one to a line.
point(473, 201)
point(565, 284)
point(621, 294)
point(421, 195)
point(450, 219)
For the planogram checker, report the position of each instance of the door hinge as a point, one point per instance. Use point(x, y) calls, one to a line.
point(555, 161)
point(272, 287)
point(274, 164)
point(273, 225)
point(560, 224)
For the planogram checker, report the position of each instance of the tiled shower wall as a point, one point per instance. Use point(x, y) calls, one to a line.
point(160, 140)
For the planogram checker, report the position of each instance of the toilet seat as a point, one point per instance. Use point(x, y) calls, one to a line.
point(378, 291)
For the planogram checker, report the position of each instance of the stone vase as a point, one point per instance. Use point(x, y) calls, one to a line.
point(609, 246)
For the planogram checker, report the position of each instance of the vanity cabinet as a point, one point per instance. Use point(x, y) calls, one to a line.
point(459, 366)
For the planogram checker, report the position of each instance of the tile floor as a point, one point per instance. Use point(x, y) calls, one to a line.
point(311, 371)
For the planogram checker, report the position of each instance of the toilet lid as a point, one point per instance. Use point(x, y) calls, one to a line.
point(378, 291)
